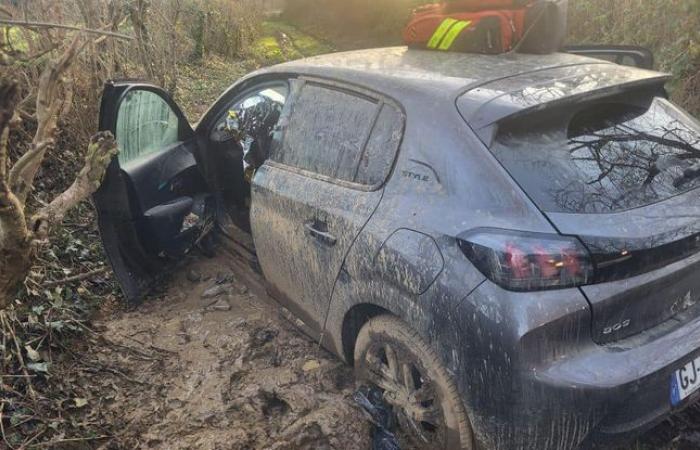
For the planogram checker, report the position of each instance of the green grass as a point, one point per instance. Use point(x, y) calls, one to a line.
point(271, 47)
point(267, 48)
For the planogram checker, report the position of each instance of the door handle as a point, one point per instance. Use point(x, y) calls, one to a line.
point(322, 236)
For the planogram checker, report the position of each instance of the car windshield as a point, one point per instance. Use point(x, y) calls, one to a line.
point(607, 158)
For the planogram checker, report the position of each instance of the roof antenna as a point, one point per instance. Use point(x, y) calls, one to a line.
point(532, 27)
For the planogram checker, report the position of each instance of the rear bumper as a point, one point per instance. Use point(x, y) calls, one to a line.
point(549, 386)
point(636, 377)
point(628, 388)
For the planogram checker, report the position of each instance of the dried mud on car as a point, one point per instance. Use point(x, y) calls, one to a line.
point(210, 365)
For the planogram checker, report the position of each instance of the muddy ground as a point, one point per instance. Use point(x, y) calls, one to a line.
point(213, 363)
point(209, 364)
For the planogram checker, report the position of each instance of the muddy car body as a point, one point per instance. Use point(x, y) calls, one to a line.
point(560, 323)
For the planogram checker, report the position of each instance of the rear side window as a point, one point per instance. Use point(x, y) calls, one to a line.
point(606, 158)
point(378, 156)
point(341, 135)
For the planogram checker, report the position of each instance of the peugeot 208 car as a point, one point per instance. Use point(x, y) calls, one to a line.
point(506, 247)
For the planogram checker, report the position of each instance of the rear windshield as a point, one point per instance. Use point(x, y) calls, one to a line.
point(606, 158)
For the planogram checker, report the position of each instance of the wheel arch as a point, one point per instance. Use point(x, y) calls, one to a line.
point(353, 321)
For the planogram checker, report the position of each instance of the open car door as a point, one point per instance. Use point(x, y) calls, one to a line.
point(153, 204)
point(625, 55)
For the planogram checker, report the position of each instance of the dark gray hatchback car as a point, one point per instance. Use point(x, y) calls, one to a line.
point(506, 247)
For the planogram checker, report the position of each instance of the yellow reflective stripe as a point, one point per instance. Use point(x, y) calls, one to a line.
point(440, 32)
point(453, 33)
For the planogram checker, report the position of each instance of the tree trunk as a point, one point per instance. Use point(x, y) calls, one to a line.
point(15, 241)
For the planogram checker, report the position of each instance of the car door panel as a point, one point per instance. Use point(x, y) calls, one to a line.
point(303, 228)
point(162, 177)
point(150, 188)
point(320, 188)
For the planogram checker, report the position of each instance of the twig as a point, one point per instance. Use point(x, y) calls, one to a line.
point(34, 438)
point(2, 431)
point(59, 441)
point(37, 55)
point(80, 277)
point(20, 358)
point(97, 368)
point(21, 23)
point(139, 353)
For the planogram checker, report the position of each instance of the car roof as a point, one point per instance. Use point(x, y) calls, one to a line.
point(431, 70)
point(487, 88)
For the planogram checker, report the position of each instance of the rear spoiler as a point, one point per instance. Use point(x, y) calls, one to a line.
point(483, 107)
point(625, 55)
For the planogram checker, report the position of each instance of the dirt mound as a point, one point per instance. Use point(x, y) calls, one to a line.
point(210, 365)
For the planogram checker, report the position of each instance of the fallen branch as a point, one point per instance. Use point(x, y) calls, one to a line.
point(100, 152)
point(63, 441)
point(80, 277)
point(22, 23)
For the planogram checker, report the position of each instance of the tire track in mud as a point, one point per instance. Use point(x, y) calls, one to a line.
point(224, 372)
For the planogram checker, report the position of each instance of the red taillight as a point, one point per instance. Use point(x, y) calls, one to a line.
point(516, 260)
point(528, 261)
point(545, 262)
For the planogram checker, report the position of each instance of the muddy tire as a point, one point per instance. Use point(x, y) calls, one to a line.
point(392, 357)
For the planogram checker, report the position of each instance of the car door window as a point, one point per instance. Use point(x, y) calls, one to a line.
point(145, 125)
point(339, 134)
point(327, 131)
point(250, 122)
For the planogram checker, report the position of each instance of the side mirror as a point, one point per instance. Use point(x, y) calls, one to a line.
point(625, 55)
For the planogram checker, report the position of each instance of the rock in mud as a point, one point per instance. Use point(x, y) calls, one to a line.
point(215, 291)
point(224, 278)
point(220, 305)
point(194, 276)
point(311, 365)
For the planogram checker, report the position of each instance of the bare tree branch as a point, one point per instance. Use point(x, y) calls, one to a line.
point(9, 97)
point(5, 11)
point(20, 23)
point(49, 103)
point(74, 278)
point(100, 152)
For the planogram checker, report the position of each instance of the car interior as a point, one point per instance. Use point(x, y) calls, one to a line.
point(239, 143)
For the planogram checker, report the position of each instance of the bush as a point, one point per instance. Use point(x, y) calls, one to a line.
point(223, 27)
point(671, 29)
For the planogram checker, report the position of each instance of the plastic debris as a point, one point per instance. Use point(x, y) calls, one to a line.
point(372, 402)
